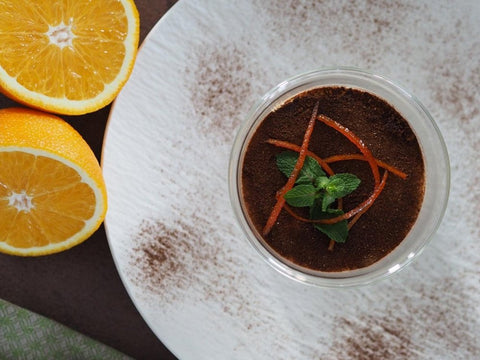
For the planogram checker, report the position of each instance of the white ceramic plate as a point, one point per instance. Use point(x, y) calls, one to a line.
point(184, 261)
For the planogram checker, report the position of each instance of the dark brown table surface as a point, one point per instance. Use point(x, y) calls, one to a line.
point(81, 288)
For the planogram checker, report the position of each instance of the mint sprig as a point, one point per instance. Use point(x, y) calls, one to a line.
point(314, 189)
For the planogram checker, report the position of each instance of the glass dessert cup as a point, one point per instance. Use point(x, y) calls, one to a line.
point(435, 157)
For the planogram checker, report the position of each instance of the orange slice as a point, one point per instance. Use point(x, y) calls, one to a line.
point(52, 192)
point(66, 56)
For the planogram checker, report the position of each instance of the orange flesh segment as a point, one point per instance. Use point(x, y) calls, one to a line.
point(83, 68)
point(60, 201)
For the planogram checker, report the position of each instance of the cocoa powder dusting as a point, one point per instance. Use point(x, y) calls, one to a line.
point(360, 27)
point(370, 337)
point(434, 315)
point(221, 86)
point(454, 84)
point(160, 257)
point(186, 260)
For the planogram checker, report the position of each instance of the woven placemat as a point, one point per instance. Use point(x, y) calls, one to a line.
point(27, 335)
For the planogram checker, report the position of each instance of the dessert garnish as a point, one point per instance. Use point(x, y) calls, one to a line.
point(313, 184)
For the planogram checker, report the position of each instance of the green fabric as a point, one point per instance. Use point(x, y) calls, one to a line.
point(26, 335)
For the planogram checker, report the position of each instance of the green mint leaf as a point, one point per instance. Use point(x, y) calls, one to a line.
point(301, 196)
point(316, 211)
point(304, 180)
point(340, 185)
point(286, 161)
point(338, 232)
point(311, 169)
point(316, 208)
point(327, 200)
point(321, 182)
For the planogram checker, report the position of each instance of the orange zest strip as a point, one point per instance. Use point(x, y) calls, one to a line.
point(360, 209)
point(289, 146)
point(357, 142)
point(331, 245)
point(324, 163)
point(294, 214)
point(293, 176)
point(359, 214)
point(340, 203)
point(354, 220)
point(380, 163)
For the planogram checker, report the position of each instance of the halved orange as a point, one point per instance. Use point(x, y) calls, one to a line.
point(52, 192)
point(66, 56)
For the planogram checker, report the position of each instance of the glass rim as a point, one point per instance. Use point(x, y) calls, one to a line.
point(290, 88)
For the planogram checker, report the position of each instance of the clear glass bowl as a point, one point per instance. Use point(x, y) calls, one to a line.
point(437, 173)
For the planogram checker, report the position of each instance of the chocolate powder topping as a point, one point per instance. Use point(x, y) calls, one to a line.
point(390, 139)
